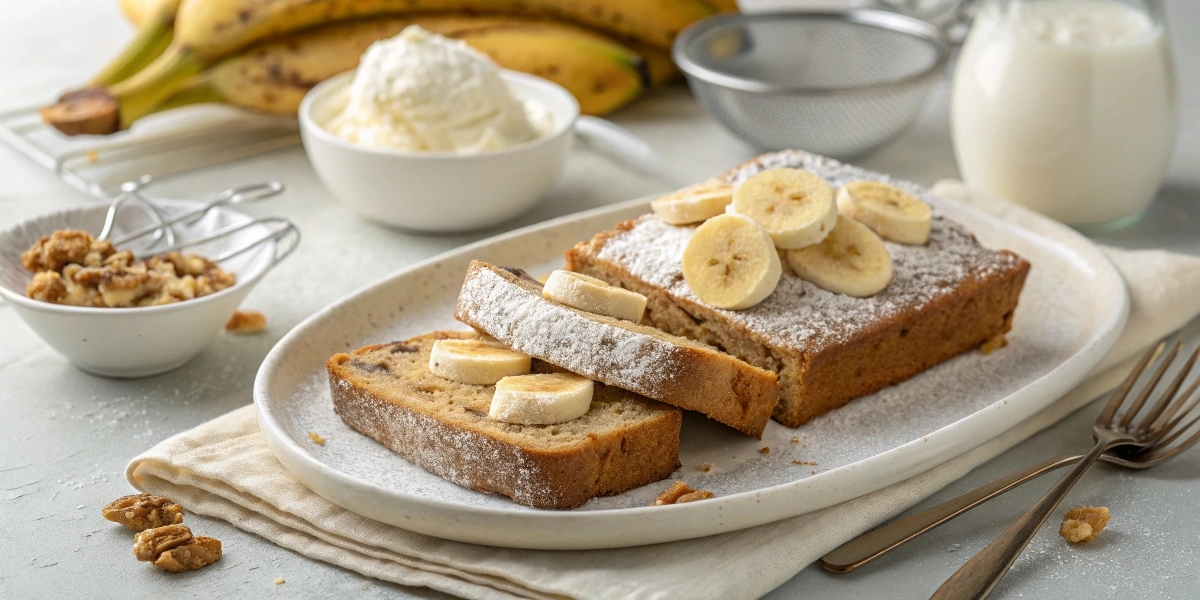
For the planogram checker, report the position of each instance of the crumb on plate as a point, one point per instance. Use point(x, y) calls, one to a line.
point(679, 493)
point(316, 438)
point(246, 321)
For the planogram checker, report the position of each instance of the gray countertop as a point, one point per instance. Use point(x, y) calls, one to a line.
point(66, 436)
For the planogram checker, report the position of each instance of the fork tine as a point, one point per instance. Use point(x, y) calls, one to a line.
point(1189, 393)
point(1175, 434)
point(1161, 455)
point(1118, 398)
point(1149, 387)
point(1180, 414)
point(1169, 393)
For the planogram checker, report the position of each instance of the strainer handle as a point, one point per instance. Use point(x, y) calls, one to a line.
point(623, 145)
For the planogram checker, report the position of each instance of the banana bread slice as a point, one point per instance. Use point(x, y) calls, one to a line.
point(947, 296)
point(508, 305)
point(387, 393)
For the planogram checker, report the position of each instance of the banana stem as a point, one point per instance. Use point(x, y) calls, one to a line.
point(141, 94)
point(152, 39)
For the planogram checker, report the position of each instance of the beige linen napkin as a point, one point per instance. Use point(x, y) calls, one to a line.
point(224, 469)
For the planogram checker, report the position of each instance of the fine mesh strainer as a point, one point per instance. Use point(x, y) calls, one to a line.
point(838, 83)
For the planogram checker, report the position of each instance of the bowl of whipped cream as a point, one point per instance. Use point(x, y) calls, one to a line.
point(427, 134)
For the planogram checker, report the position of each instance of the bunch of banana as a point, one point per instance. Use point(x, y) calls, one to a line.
point(265, 54)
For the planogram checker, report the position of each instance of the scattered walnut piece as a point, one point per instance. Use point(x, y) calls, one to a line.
point(280, 581)
point(316, 438)
point(246, 321)
point(148, 545)
point(993, 344)
point(678, 492)
point(704, 468)
point(140, 512)
point(201, 551)
point(794, 440)
point(694, 496)
point(765, 450)
point(1083, 524)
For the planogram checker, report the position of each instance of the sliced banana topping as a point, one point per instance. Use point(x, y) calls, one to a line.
point(594, 296)
point(731, 262)
point(476, 362)
point(694, 204)
point(890, 211)
point(795, 206)
point(542, 399)
point(852, 260)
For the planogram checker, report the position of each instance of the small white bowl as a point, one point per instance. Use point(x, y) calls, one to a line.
point(439, 191)
point(135, 342)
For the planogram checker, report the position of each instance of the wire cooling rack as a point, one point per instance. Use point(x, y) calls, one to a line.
point(172, 143)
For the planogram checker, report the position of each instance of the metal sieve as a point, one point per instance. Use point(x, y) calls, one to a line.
point(838, 83)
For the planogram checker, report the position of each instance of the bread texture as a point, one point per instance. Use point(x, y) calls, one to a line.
point(507, 304)
point(947, 297)
point(387, 392)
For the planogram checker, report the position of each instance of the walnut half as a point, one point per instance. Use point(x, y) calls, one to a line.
point(150, 544)
point(140, 512)
point(199, 552)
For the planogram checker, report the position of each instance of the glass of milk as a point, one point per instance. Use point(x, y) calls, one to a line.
point(1067, 106)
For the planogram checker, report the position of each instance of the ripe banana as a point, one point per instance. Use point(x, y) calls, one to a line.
point(795, 206)
point(214, 28)
point(593, 295)
point(731, 262)
point(476, 362)
point(851, 260)
point(695, 203)
point(542, 399)
point(274, 76)
point(892, 212)
point(137, 12)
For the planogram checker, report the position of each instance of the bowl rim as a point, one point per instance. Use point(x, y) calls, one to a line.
point(863, 16)
point(561, 126)
point(50, 307)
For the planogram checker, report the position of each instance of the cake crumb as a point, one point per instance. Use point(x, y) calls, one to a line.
point(246, 321)
point(704, 468)
point(316, 438)
point(993, 344)
point(91, 156)
point(794, 440)
point(280, 581)
point(1083, 524)
point(680, 492)
point(807, 463)
point(765, 450)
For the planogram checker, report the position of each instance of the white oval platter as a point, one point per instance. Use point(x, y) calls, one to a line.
point(1072, 309)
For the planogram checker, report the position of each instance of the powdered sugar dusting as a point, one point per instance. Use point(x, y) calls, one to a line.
point(524, 320)
point(799, 313)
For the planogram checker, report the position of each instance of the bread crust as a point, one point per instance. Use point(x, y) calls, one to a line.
point(472, 451)
point(674, 370)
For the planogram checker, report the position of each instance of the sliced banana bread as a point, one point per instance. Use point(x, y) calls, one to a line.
point(947, 296)
point(387, 392)
point(508, 305)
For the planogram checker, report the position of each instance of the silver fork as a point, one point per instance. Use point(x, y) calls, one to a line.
point(979, 576)
point(870, 546)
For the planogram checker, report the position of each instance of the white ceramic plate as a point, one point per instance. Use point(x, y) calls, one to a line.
point(1070, 314)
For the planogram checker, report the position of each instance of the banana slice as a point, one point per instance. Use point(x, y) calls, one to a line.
point(731, 262)
point(893, 213)
point(851, 260)
point(542, 399)
point(795, 206)
point(694, 204)
point(476, 362)
point(594, 296)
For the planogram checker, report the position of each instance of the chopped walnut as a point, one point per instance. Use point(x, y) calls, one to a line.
point(1083, 524)
point(140, 512)
point(681, 492)
point(993, 344)
point(70, 267)
point(704, 468)
point(246, 321)
point(765, 450)
point(63, 247)
point(200, 552)
point(148, 545)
